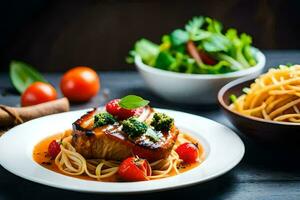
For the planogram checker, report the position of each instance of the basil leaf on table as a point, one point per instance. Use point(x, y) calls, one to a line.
point(132, 102)
point(22, 75)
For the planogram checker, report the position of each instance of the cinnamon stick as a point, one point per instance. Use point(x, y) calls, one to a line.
point(11, 116)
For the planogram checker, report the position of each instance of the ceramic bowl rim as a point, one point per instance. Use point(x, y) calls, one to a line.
point(235, 83)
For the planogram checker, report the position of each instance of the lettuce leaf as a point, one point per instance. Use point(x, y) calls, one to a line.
point(147, 50)
point(228, 50)
point(179, 37)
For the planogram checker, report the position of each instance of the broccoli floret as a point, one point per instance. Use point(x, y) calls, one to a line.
point(162, 122)
point(133, 127)
point(102, 119)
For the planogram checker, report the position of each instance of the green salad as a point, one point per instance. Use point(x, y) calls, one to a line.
point(201, 47)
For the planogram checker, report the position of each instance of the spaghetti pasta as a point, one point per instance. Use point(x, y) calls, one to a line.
point(275, 96)
point(73, 163)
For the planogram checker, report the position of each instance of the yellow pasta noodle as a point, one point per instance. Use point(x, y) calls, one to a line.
point(274, 95)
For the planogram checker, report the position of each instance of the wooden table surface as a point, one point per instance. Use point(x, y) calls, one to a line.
point(264, 173)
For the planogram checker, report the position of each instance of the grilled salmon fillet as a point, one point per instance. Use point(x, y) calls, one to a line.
point(111, 143)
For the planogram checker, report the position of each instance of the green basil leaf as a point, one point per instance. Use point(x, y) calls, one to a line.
point(22, 75)
point(133, 101)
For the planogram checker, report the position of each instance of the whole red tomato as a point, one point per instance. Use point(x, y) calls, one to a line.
point(134, 169)
point(37, 93)
point(80, 84)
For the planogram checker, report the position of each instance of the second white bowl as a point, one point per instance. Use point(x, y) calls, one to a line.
point(192, 88)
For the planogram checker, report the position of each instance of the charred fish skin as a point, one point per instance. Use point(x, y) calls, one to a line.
point(78, 125)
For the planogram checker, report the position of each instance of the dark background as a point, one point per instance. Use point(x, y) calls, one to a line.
point(57, 35)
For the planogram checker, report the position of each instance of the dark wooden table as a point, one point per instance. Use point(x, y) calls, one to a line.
point(264, 173)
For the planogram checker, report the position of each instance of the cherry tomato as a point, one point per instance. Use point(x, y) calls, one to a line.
point(198, 55)
point(114, 108)
point(207, 59)
point(188, 152)
point(134, 169)
point(80, 84)
point(37, 93)
point(53, 149)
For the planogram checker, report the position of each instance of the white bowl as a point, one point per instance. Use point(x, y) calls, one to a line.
point(193, 88)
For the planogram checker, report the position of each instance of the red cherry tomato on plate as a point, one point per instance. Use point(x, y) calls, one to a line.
point(188, 152)
point(53, 149)
point(80, 84)
point(134, 169)
point(37, 93)
point(114, 108)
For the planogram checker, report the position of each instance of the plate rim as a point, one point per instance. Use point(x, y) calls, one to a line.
point(38, 180)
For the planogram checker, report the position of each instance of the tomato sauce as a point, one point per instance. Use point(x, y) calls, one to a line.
point(40, 155)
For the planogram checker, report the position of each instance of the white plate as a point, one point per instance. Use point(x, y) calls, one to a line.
point(223, 147)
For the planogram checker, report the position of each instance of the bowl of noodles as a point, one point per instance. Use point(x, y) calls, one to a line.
point(267, 107)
